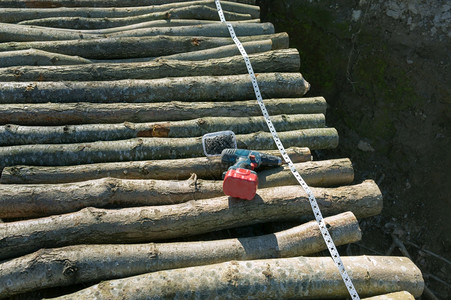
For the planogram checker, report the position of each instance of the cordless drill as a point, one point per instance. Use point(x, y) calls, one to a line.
point(240, 180)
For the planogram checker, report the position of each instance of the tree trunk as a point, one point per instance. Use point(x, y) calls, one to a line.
point(223, 51)
point(190, 89)
point(14, 15)
point(282, 278)
point(213, 53)
point(151, 223)
point(88, 113)
point(37, 200)
point(404, 295)
point(93, 263)
point(175, 169)
point(200, 12)
point(23, 135)
point(96, 3)
point(116, 48)
point(27, 33)
point(153, 148)
point(33, 57)
point(286, 60)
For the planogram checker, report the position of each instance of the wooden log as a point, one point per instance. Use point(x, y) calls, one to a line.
point(175, 169)
point(34, 57)
point(153, 148)
point(194, 89)
point(201, 12)
point(224, 51)
point(27, 33)
point(404, 295)
point(213, 53)
point(113, 48)
point(38, 200)
point(88, 113)
point(23, 135)
point(282, 278)
point(161, 23)
point(151, 223)
point(96, 3)
point(285, 60)
point(15, 15)
point(93, 263)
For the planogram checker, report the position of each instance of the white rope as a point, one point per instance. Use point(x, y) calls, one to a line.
point(316, 211)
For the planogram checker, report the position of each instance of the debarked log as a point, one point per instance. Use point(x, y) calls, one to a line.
point(195, 89)
point(100, 113)
point(132, 47)
point(285, 60)
point(201, 12)
point(151, 223)
point(22, 135)
point(27, 33)
point(154, 148)
point(14, 15)
point(37, 200)
point(92, 263)
point(282, 278)
point(172, 169)
point(34, 57)
point(96, 3)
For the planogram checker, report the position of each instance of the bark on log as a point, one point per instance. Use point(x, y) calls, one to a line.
point(27, 33)
point(404, 295)
point(124, 47)
point(93, 263)
point(153, 148)
point(175, 169)
point(38, 200)
point(194, 89)
point(201, 12)
point(213, 53)
point(90, 3)
point(224, 51)
point(34, 57)
point(14, 15)
point(88, 113)
point(151, 223)
point(22, 135)
point(282, 278)
point(285, 60)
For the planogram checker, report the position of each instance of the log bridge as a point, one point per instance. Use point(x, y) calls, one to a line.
point(105, 192)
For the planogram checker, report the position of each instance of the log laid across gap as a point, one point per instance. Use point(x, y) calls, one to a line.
point(37, 200)
point(132, 47)
point(154, 148)
point(22, 135)
point(285, 60)
point(151, 223)
point(404, 295)
point(34, 57)
point(14, 15)
point(102, 113)
point(201, 12)
point(92, 263)
point(175, 169)
point(282, 278)
point(96, 3)
point(193, 89)
point(28, 33)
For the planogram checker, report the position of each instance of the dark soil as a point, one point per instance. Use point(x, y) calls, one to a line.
point(388, 90)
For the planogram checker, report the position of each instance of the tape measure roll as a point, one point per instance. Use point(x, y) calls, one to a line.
point(316, 211)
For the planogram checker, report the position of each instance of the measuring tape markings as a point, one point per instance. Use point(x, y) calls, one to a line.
point(317, 212)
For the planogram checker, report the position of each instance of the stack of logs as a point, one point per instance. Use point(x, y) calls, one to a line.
point(103, 105)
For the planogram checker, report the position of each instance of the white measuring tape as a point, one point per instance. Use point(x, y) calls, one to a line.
point(317, 212)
